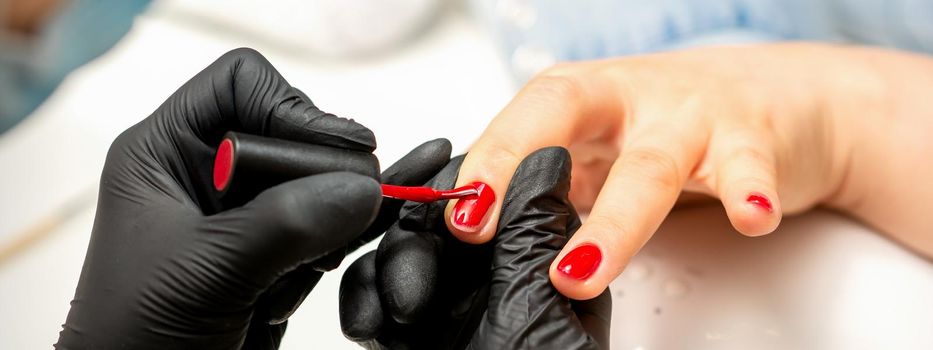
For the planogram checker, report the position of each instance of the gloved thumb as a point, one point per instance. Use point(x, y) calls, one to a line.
point(293, 223)
point(525, 310)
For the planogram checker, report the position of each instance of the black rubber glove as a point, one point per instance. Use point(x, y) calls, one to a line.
point(424, 289)
point(167, 269)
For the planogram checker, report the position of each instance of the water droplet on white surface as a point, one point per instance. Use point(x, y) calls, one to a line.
point(675, 288)
point(637, 271)
point(695, 272)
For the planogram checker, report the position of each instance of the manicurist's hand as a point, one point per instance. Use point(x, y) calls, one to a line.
point(170, 267)
point(768, 130)
point(424, 289)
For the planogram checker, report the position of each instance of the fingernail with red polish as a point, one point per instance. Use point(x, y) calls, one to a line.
point(761, 201)
point(469, 211)
point(581, 262)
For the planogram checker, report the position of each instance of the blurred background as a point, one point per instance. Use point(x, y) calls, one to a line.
point(75, 73)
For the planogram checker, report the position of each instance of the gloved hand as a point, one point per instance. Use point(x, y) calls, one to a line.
point(424, 289)
point(167, 269)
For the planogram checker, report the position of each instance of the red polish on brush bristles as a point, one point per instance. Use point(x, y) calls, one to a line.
point(470, 212)
point(426, 194)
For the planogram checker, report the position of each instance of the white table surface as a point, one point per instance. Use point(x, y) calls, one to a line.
point(821, 281)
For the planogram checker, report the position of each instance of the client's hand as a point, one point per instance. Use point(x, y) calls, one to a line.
point(768, 130)
point(424, 289)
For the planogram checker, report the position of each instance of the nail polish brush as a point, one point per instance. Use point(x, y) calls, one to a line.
point(244, 165)
point(426, 194)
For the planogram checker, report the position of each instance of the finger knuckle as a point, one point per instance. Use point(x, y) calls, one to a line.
point(123, 141)
point(556, 86)
point(656, 166)
point(284, 211)
point(243, 58)
point(244, 53)
point(612, 225)
point(749, 155)
point(499, 152)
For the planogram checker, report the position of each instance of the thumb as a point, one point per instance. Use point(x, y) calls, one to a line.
point(294, 223)
point(524, 310)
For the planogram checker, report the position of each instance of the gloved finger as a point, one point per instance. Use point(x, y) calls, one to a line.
point(361, 314)
point(525, 310)
point(246, 165)
point(595, 315)
point(282, 299)
point(242, 91)
point(408, 257)
point(362, 318)
point(263, 336)
point(414, 169)
point(423, 216)
point(292, 224)
point(407, 273)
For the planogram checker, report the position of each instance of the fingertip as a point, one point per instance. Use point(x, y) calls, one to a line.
point(475, 219)
point(582, 270)
point(596, 254)
point(471, 237)
point(361, 316)
point(440, 145)
point(490, 162)
point(572, 288)
point(407, 273)
point(364, 190)
point(746, 179)
point(368, 186)
point(753, 213)
point(332, 207)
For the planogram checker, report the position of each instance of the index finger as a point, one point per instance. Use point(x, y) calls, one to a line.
point(555, 109)
point(641, 189)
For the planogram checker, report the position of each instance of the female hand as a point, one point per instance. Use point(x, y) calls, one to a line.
point(424, 289)
point(768, 130)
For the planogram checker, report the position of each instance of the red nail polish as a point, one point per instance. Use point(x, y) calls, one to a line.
point(761, 201)
point(469, 212)
point(581, 262)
